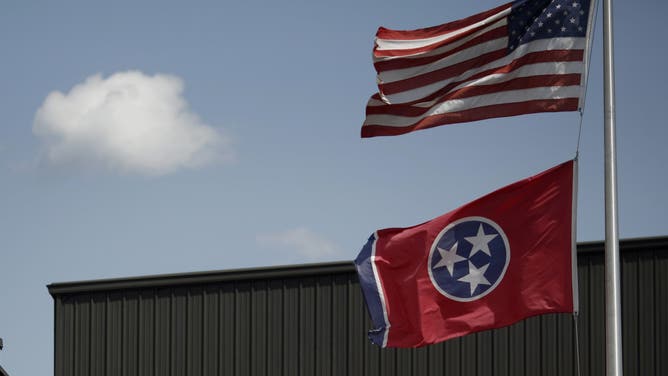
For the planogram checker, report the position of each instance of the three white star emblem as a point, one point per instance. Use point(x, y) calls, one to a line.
point(476, 276)
point(450, 272)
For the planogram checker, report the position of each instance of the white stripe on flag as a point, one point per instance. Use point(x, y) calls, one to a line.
point(536, 46)
point(457, 57)
point(398, 44)
point(530, 70)
point(448, 47)
point(379, 285)
point(504, 97)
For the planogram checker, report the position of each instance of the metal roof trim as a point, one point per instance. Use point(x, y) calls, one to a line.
point(200, 278)
point(626, 245)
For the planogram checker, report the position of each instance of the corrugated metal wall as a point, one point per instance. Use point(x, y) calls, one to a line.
point(313, 322)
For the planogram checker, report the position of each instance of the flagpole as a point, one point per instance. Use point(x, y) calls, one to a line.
point(612, 269)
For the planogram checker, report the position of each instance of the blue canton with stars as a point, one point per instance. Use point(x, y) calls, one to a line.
point(543, 19)
point(469, 258)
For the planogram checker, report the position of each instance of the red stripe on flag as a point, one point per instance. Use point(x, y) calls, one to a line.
point(458, 69)
point(435, 31)
point(408, 62)
point(408, 53)
point(441, 74)
point(474, 114)
point(519, 83)
point(532, 58)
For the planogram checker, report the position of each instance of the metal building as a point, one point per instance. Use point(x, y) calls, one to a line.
point(311, 320)
point(2, 370)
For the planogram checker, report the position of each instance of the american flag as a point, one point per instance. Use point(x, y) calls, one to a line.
point(522, 57)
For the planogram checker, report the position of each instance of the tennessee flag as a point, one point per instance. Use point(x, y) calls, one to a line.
point(499, 259)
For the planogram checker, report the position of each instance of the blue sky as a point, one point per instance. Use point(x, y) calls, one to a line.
point(269, 167)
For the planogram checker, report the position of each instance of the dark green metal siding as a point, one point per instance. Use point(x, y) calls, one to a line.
point(311, 320)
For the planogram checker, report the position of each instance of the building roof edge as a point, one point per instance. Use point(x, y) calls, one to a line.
point(281, 271)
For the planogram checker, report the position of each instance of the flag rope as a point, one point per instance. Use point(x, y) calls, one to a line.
point(577, 343)
point(577, 147)
point(590, 42)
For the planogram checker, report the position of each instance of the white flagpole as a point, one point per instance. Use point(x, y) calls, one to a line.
point(613, 315)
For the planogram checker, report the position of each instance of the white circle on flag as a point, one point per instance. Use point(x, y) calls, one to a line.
point(468, 259)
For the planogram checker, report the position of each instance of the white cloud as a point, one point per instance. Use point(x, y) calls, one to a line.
point(129, 122)
point(301, 240)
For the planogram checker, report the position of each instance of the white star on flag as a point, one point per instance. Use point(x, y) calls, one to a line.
point(480, 242)
point(475, 277)
point(449, 258)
